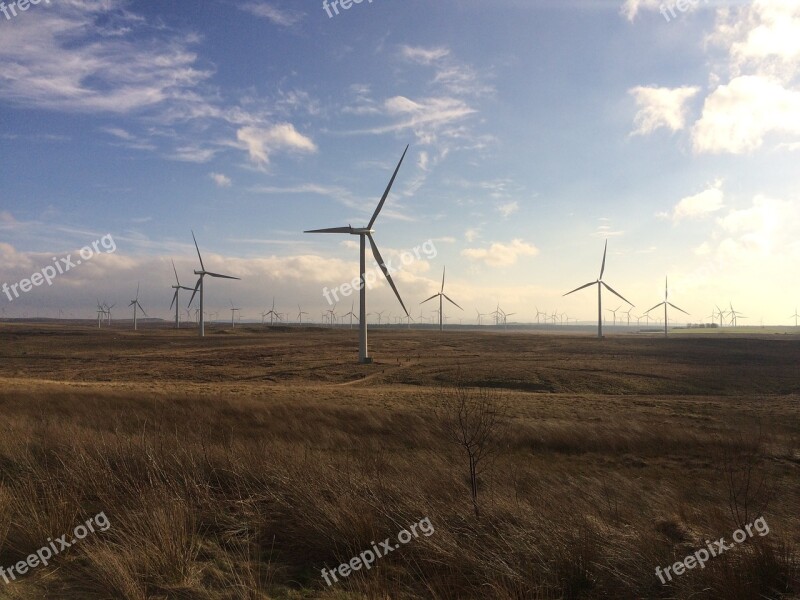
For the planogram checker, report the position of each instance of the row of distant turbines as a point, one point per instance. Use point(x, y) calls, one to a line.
point(365, 234)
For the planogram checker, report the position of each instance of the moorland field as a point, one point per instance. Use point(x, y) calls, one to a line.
point(241, 465)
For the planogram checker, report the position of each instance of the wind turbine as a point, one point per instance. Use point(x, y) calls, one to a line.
point(177, 289)
point(480, 316)
point(666, 303)
point(614, 311)
point(351, 314)
point(233, 313)
point(538, 313)
point(505, 319)
point(332, 316)
point(721, 314)
point(300, 315)
point(199, 286)
point(628, 313)
point(365, 233)
point(135, 304)
point(735, 316)
point(600, 285)
point(795, 315)
point(441, 295)
point(101, 313)
point(108, 311)
point(271, 313)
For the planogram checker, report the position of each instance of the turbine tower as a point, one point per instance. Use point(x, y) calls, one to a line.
point(441, 295)
point(135, 304)
point(199, 286)
point(666, 303)
point(177, 289)
point(233, 313)
point(600, 285)
point(795, 316)
point(365, 233)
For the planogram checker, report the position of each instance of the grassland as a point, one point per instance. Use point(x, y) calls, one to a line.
point(241, 465)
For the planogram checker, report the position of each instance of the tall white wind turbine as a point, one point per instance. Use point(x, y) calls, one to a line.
point(600, 285)
point(199, 286)
point(365, 233)
point(665, 304)
point(795, 316)
point(441, 295)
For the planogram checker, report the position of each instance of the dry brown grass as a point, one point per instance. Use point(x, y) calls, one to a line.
point(245, 479)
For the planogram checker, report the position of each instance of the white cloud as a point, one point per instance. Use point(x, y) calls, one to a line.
point(423, 56)
point(220, 179)
point(499, 254)
point(661, 107)
point(509, 208)
point(52, 62)
point(766, 228)
point(737, 117)
point(631, 8)
point(261, 142)
point(700, 205)
point(472, 234)
point(269, 11)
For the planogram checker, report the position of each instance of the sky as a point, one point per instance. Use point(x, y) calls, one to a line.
point(537, 131)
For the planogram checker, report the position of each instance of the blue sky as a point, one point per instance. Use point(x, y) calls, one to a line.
point(537, 130)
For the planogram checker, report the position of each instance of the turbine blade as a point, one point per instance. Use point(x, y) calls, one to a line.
point(222, 276)
point(347, 229)
point(676, 308)
point(608, 287)
point(603, 266)
point(443, 271)
point(386, 193)
point(431, 298)
point(451, 302)
point(656, 306)
point(137, 290)
point(202, 268)
point(196, 287)
point(174, 299)
point(140, 308)
point(379, 258)
point(580, 288)
point(176, 272)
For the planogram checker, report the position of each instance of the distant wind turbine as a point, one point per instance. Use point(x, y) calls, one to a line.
point(351, 314)
point(735, 316)
point(600, 285)
point(365, 233)
point(177, 289)
point(441, 295)
point(135, 304)
point(233, 313)
point(795, 315)
point(665, 304)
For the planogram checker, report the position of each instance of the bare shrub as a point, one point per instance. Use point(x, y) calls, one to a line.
point(475, 420)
